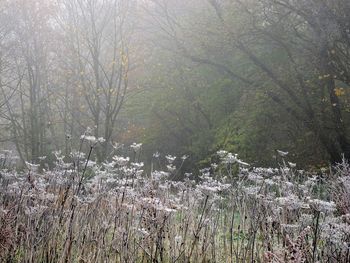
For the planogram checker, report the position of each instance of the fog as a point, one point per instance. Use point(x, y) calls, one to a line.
point(135, 131)
point(186, 77)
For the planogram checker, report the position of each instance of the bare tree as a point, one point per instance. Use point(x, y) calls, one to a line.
point(29, 56)
point(99, 34)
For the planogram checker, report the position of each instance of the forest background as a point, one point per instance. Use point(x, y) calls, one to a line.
point(182, 77)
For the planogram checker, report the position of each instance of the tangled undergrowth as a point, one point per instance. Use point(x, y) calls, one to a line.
point(115, 212)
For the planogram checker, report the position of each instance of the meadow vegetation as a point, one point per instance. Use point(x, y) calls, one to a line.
point(81, 211)
point(241, 114)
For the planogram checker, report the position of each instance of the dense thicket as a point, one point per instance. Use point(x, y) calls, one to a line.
point(253, 77)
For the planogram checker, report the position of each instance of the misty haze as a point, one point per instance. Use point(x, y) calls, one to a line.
point(174, 131)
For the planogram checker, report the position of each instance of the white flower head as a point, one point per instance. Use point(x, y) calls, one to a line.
point(101, 139)
point(292, 165)
point(42, 158)
point(170, 158)
point(121, 160)
point(91, 163)
point(136, 146)
point(322, 206)
point(77, 155)
point(184, 157)
point(188, 175)
point(230, 158)
point(92, 139)
point(282, 153)
point(137, 165)
point(171, 168)
point(32, 167)
point(222, 153)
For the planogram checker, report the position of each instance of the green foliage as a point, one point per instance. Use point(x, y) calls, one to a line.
point(247, 78)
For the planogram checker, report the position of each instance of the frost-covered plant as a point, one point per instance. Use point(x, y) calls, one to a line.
point(122, 211)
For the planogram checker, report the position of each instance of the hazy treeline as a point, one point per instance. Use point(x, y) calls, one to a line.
point(64, 66)
point(189, 76)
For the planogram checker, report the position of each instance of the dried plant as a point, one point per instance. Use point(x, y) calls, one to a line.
point(116, 212)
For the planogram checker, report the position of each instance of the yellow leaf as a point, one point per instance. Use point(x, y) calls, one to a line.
point(339, 92)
